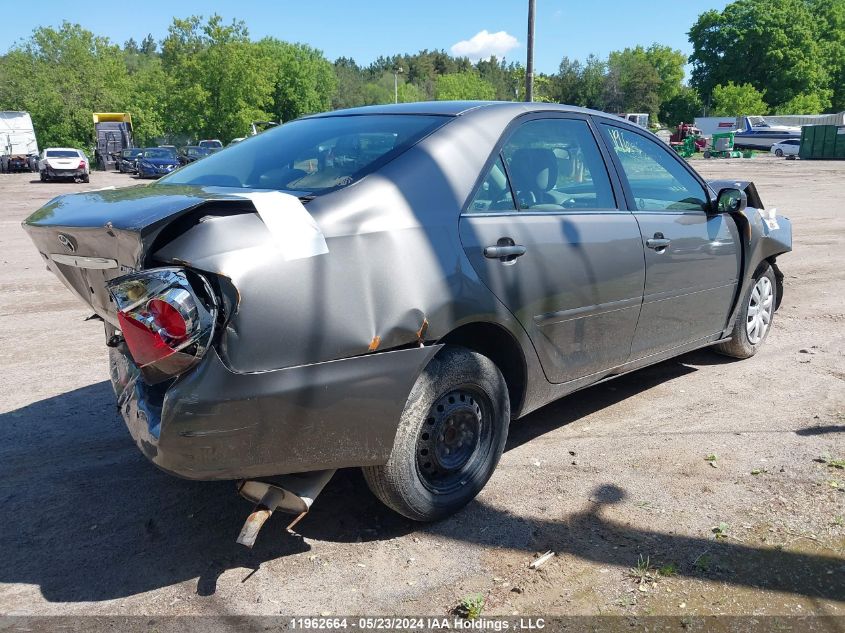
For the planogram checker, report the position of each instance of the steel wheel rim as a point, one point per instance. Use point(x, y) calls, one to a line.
point(760, 309)
point(454, 440)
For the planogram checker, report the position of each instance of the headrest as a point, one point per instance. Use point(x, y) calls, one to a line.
point(533, 169)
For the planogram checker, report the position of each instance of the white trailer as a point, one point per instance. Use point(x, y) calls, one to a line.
point(709, 125)
point(18, 147)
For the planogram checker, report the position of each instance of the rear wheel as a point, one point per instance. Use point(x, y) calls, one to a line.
point(755, 316)
point(450, 437)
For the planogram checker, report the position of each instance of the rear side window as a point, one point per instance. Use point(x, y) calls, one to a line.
point(657, 180)
point(310, 155)
point(555, 164)
point(494, 194)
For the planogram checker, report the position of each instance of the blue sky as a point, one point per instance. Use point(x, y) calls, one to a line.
point(366, 29)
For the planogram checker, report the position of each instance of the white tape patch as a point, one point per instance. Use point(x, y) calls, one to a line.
point(294, 230)
point(770, 217)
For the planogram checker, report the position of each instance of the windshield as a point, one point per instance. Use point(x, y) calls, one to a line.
point(62, 153)
point(159, 152)
point(313, 155)
point(211, 144)
point(196, 151)
point(132, 153)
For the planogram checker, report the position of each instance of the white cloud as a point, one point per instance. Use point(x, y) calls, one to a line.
point(484, 44)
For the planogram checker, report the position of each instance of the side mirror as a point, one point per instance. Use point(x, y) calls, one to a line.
point(731, 201)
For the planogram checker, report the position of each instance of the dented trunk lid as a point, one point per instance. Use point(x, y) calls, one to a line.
point(89, 238)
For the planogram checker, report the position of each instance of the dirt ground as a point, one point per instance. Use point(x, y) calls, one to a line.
point(606, 478)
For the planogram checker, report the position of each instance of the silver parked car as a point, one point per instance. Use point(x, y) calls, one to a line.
point(388, 287)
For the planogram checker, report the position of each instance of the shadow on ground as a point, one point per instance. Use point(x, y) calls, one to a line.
point(87, 518)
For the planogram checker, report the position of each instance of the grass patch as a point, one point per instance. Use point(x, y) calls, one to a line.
point(721, 530)
point(470, 607)
point(832, 462)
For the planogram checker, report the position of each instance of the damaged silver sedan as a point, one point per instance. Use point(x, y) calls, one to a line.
point(388, 287)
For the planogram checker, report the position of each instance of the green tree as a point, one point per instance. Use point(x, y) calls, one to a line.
point(463, 85)
point(593, 79)
point(220, 80)
point(303, 79)
point(771, 44)
point(829, 18)
point(738, 100)
point(501, 75)
point(349, 80)
point(568, 83)
point(805, 104)
point(669, 65)
point(632, 83)
point(681, 108)
point(61, 76)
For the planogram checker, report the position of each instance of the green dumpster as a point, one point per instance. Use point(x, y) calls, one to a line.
point(822, 142)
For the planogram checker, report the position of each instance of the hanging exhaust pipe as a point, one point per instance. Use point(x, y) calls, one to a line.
point(293, 494)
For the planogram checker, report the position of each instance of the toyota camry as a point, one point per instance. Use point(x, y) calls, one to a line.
point(389, 287)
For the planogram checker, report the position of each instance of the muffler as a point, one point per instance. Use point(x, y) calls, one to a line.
point(293, 494)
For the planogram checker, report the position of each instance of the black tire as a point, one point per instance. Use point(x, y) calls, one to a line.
point(42, 176)
point(464, 394)
point(707, 154)
point(741, 345)
point(86, 178)
point(779, 152)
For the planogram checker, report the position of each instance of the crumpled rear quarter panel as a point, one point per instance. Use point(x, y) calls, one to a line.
point(395, 273)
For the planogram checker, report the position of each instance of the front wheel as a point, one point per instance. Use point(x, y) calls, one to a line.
point(779, 152)
point(755, 316)
point(449, 440)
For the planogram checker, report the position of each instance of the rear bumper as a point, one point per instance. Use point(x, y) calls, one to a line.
point(65, 173)
point(214, 424)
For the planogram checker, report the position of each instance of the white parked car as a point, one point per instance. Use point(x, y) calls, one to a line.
point(788, 147)
point(63, 162)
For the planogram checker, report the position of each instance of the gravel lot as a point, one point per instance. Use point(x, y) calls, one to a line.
point(602, 478)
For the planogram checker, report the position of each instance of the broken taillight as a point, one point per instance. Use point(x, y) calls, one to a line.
point(167, 318)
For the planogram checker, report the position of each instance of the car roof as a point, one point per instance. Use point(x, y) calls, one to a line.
point(460, 108)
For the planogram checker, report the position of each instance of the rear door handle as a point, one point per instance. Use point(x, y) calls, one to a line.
point(658, 242)
point(504, 252)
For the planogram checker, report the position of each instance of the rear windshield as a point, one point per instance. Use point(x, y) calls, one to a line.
point(62, 153)
point(310, 155)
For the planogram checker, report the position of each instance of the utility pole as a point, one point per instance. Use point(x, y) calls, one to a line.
point(529, 62)
point(396, 72)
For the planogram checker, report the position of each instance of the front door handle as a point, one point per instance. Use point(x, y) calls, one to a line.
point(658, 242)
point(505, 250)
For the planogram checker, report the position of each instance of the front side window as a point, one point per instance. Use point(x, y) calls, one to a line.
point(310, 155)
point(555, 164)
point(658, 182)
